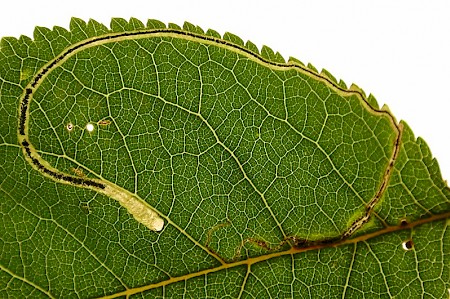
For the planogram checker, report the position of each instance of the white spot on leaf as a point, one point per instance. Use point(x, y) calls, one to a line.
point(90, 127)
point(69, 127)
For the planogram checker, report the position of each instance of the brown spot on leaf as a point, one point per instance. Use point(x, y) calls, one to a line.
point(104, 122)
point(408, 245)
point(403, 222)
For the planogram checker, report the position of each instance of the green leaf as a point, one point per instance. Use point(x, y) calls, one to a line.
point(164, 161)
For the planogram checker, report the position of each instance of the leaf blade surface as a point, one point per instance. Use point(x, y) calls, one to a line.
point(256, 167)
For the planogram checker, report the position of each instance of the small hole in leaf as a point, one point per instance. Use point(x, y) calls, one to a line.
point(90, 127)
point(69, 127)
point(403, 222)
point(407, 245)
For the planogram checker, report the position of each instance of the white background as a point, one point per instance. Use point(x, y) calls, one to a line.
point(397, 50)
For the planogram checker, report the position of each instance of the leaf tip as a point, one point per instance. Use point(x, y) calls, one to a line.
point(252, 47)
point(312, 68)
point(270, 55)
point(192, 28)
point(173, 26)
point(295, 61)
point(327, 74)
point(213, 33)
point(373, 101)
point(342, 84)
point(356, 88)
point(233, 38)
point(155, 24)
